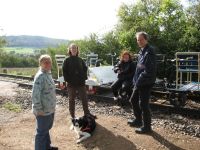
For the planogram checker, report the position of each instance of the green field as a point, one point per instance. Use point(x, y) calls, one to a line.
point(20, 50)
point(19, 71)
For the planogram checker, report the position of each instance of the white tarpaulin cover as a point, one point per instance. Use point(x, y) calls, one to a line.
point(102, 74)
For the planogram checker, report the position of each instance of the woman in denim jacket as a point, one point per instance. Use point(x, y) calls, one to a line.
point(43, 103)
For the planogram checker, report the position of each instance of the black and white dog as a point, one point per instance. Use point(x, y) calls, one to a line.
point(83, 126)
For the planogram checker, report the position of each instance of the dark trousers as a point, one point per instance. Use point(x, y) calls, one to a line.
point(42, 138)
point(72, 93)
point(140, 104)
point(118, 84)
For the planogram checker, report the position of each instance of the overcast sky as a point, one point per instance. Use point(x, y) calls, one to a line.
point(66, 19)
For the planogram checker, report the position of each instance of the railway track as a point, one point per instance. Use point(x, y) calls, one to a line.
point(26, 82)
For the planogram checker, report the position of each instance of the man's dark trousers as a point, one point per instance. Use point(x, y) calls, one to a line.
point(140, 104)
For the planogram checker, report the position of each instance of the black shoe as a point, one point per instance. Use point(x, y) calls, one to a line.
point(134, 123)
point(53, 148)
point(143, 130)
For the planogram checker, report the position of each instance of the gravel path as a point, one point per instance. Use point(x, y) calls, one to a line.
point(173, 121)
point(171, 131)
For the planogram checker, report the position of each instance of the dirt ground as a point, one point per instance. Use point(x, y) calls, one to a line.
point(112, 132)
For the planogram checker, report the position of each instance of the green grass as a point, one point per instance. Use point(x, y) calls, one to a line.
point(12, 107)
point(20, 50)
point(20, 71)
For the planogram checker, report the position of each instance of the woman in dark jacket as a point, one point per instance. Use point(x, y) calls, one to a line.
point(75, 74)
point(125, 69)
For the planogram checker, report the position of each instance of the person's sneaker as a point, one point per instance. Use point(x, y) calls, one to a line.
point(134, 123)
point(115, 98)
point(119, 97)
point(143, 130)
point(53, 148)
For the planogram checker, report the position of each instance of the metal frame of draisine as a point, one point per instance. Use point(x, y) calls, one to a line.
point(98, 76)
point(191, 112)
point(185, 63)
point(187, 81)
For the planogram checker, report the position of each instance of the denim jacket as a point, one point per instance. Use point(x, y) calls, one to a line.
point(43, 93)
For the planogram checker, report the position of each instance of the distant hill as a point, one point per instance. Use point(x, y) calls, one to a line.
point(33, 41)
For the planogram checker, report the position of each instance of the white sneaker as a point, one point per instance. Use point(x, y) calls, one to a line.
point(115, 98)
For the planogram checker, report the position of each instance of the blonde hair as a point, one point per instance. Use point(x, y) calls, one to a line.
point(44, 58)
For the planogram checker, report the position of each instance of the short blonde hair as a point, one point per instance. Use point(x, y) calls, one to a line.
point(44, 58)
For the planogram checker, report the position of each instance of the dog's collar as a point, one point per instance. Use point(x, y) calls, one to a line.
point(85, 129)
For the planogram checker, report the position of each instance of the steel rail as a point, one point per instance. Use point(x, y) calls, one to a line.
point(16, 76)
point(192, 113)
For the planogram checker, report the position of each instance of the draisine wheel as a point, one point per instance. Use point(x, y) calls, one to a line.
point(123, 93)
point(177, 99)
point(172, 98)
point(182, 97)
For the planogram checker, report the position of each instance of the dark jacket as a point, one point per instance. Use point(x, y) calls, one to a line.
point(74, 71)
point(127, 70)
point(145, 73)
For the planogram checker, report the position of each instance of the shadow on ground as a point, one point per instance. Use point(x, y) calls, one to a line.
point(102, 141)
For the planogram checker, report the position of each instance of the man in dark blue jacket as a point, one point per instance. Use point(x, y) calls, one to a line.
point(143, 80)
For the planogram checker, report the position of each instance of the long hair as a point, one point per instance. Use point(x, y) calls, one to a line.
point(125, 52)
point(69, 49)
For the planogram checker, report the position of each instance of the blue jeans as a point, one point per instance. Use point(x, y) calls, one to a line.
point(42, 137)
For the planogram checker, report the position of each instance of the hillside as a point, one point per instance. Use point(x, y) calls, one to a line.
point(33, 41)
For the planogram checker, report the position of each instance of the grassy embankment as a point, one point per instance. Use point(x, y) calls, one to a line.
point(19, 50)
point(19, 71)
point(12, 107)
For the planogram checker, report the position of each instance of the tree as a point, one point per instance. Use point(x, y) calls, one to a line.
point(163, 20)
point(2, 44)
point(91, 44)
point(2, 41)
point(190, 39)
point(111, 46)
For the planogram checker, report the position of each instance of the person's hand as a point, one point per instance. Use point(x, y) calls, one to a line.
point(62, 86)
point(65, 85)
point(118, 71)
point(40, 113)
